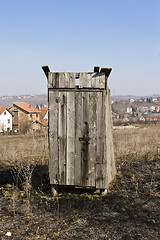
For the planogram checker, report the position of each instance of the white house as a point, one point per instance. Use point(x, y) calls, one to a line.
point(129, 110)
point(5, 120)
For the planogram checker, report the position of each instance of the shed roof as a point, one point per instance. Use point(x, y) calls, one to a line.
point(26, 107)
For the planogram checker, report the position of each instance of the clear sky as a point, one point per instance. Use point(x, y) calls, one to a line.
point(76, 35)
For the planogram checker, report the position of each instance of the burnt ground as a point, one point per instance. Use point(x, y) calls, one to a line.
point(131, 209)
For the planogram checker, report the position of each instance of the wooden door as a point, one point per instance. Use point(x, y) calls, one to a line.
point(76, 135)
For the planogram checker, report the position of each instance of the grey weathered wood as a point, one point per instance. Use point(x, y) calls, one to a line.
point(62, 136)
point(96, 69)
point(107, 71)
point(70, 138)
point(102, 81)
point(85, 134)
point(100, 175)
point(67, 80)
point(72, 80)
point(106, 136)
point(80, 130)
point(92, 122)
point(94, 80)
point(61, 80)
point(110, 140)
point(108, 151)
point(50, 80)
point(53, 137)
point(46, 70)
point(78, 134)
point(100, 128)
point(82, 80)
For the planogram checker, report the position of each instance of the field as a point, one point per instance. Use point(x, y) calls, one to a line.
point(131, 209)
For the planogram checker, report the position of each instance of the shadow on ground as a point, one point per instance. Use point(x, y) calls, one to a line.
point(130, 210)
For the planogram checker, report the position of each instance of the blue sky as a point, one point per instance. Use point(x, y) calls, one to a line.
point(76, 35)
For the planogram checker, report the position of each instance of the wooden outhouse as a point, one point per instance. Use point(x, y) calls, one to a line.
point(80, 129)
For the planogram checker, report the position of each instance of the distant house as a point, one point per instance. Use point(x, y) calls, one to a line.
point(154, 99)
point(157, 109)
point(5, 120)
point(44, 116)
point(44, 113)
point(24, 113)
point(129, 110)
point(152, 108)
point(142, 119)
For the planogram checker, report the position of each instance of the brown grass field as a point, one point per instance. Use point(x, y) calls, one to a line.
point(131, 209)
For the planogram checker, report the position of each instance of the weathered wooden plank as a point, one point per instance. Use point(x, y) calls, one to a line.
point(60, 80)
point(78, 134)
point(85, 135)
point(89, 80)
point(70, 138)
point(82, 80)
point(46, 70)
point(108, 139)
point(66, 79)
point(100, 176)
point(100, 128)
point(72, 80)
point(92, 122)
point(107, 71)
point(96, 69)
point(54, 80)
point(53, 137)
point(95, 80)
point(51, 80)
point(62, 136)
point(102, 80)
point(111, 163)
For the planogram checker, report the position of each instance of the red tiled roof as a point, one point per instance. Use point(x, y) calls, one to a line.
point(44, 122)
point(26, 107)
point(2, 109)
point(43, 112)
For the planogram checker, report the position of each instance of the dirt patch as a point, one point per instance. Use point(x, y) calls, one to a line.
point(130, 210)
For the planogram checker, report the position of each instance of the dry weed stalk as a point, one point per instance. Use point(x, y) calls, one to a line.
point(23, 153)
point(23, 176)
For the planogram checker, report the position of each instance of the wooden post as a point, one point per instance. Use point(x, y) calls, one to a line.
point(46, 70)
point(96, 69)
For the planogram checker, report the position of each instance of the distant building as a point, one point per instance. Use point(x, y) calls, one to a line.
point(5, 120)
point(129, 110)
point(44, 116)
point(23, 113)
point(154, 99)
point(142, 119)
point(152, 108)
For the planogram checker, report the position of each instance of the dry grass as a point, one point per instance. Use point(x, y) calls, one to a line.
point(28, 148)
point(137, 142)
point(33, 148)
point(129, 211)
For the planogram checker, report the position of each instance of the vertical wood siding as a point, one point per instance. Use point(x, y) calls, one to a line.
point(80, 130)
